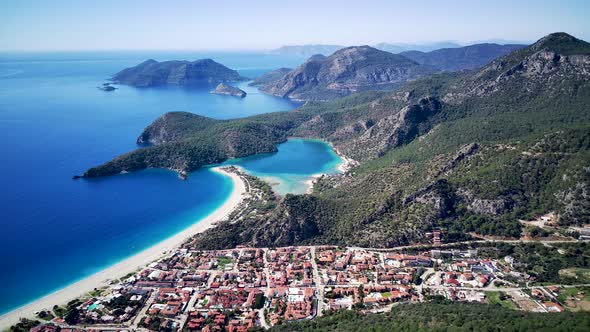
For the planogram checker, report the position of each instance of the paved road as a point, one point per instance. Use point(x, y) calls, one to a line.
point(262, 311)
point(504, 289)
point(144, 309)
point(410, 246)
point(318, 283)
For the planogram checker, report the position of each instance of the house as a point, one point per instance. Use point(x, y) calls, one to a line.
point(553, 307)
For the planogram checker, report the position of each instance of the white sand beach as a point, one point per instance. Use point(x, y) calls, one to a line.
point(132, 263)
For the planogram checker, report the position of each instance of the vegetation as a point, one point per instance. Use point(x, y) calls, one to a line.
point(24, 325)
point(470, 153)
point(444, 317)
point(535, 232)
point(565, 293)
point(45, 315)
point(223, 261)
point(500, 299)
point(545, 264)
point(258, 301)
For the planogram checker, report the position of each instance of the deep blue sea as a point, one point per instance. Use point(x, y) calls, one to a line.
point(55, 123)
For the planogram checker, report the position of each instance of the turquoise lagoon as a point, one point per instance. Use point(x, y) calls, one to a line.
point(291, 168)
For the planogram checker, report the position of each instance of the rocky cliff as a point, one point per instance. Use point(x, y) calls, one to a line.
point(348, 70)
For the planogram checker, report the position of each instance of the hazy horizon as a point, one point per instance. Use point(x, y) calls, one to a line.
point(65, 25)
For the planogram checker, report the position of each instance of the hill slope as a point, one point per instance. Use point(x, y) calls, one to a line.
point(270, 76)
point(443, 317)
point(468, 152)
point(461, 58)
point(346, 71)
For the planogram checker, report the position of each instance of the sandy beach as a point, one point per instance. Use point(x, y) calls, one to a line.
point(345, 165)
point(132, 263)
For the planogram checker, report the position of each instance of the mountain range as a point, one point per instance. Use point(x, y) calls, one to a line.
point(467, 152)
point(461, 58)
point(360, 68)
point(308, 50)
point(346, 71)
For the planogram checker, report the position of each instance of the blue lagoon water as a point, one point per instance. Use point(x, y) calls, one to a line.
point(54, 123)
point(289, 169)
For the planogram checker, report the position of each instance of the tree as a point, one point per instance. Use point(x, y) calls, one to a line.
point(72, 316)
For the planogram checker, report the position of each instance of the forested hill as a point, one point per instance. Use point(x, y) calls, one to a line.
point(443, 317)
point(465, 152)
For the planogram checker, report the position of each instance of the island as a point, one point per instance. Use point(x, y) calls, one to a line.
point(224, 89)
point(107, 87)
point(152, 73)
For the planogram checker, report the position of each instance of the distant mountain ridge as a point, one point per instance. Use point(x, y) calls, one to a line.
point(153, 73)
point(346, 71)
point(311, 49)
point(425, 47)
point(461, 58)
point(306, 50)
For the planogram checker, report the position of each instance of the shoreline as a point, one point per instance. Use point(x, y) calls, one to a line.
point(132, 263)
point(344, 166)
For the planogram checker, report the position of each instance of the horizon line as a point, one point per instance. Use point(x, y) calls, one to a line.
point(498, 41)
point(239, 49)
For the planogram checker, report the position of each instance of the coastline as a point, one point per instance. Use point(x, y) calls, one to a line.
point(344, 166)
point(133, 263)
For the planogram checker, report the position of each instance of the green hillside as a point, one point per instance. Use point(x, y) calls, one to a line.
point(443, 317)
point(470, 152)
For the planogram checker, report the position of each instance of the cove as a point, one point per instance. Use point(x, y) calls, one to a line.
point(292, 167)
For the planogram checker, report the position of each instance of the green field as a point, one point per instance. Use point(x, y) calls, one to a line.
point(501, 299)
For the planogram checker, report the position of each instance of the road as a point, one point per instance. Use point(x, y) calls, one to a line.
point(505, 289)
point(144, 309)
point(318, 283)
point(444, 245)
point(262, 311)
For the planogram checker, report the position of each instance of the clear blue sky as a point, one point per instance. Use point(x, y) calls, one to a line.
point(234, 24)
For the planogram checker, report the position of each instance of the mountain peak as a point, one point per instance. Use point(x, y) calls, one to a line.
point(357, 49)
point(148, 62)
point(371, 55)
point(558, 37)
point(563, 43)
point(349, 70)
point(316, 57)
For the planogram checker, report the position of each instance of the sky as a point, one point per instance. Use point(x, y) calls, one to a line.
point(233, 24)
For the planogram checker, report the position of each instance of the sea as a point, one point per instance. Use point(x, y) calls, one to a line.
point(56, 123)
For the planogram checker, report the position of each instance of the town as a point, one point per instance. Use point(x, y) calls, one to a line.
point(244, 288)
